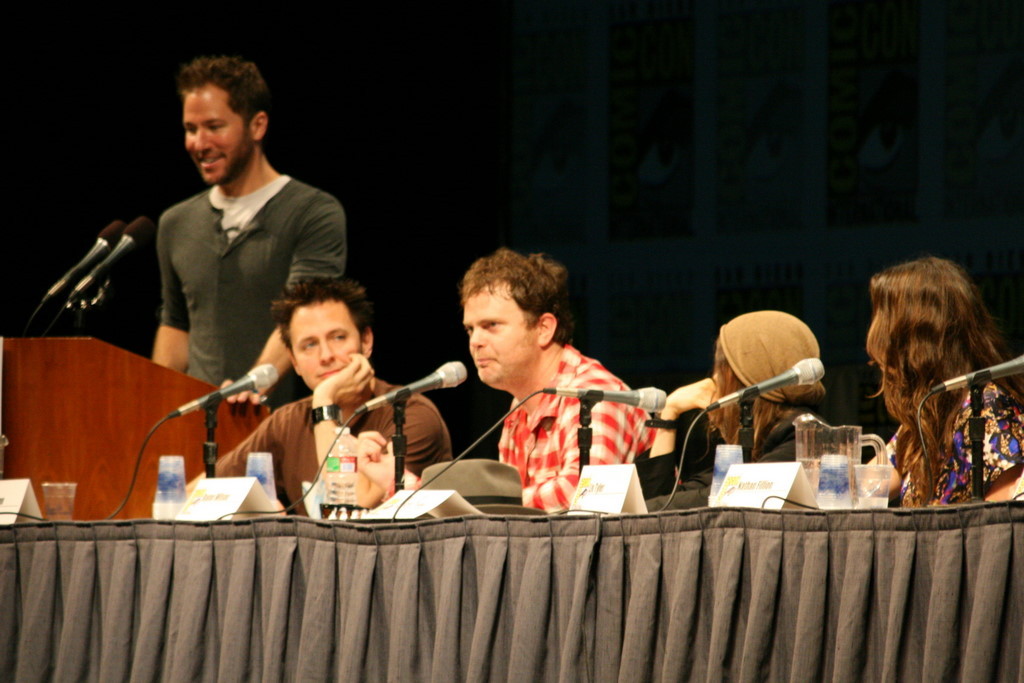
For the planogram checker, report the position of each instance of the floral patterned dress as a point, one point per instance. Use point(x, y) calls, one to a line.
point(1004, 447)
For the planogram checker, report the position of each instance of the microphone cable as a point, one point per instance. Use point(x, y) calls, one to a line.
point(135, 471)
point(320, 468)
point(24, 332)
point(463, 454)
point(99, 251)
point(924, 450)
point(100, 293)
point(25, 514)
point(323, 461)
point(682, 457)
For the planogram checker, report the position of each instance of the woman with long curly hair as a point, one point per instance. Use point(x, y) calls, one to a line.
point(929, 324)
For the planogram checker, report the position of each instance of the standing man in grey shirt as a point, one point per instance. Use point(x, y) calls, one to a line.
point(227, 252)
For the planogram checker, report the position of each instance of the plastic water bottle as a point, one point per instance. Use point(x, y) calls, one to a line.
point(341, 471)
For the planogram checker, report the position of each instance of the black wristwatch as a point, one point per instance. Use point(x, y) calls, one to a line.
point(658, 423)
point(324, 413)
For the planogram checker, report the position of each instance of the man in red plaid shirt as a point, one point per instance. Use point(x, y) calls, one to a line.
point(516, 313)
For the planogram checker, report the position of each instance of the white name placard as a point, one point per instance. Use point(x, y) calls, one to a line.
point(226, 498)
point(16, 499)
point(609, 488)
point(429, 502)
point(1018, 490)
point(751, 485)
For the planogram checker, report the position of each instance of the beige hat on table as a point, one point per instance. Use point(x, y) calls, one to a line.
point(492, 487)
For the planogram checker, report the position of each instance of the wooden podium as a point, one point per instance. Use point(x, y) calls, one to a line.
point(78, 409)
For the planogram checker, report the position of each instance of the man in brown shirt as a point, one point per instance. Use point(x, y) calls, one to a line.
point(326, 326)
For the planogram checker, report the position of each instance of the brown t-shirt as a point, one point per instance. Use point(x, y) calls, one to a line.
point(288, 435)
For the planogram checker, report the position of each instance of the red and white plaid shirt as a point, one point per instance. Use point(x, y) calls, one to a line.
point(542, 445)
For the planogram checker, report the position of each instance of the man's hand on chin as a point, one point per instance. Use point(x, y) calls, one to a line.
point(347, 386)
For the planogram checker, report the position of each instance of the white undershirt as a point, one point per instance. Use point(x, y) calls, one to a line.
point(238, 212)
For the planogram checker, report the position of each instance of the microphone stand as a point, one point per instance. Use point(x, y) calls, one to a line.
point(210, 446)
point(82, 305)
point(584, 433)
point(398, 442)
point(747, 429)
point(976, 427)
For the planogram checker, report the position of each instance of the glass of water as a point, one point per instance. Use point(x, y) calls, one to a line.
point(873, 485)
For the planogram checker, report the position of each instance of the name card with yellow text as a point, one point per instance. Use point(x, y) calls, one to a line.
point(609, 488)
point(771, 486)
point(227, 498)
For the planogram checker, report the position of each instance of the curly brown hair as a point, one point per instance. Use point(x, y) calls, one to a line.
point(928, 324)
point(318, 291)
point(247, 92)
point(537, 283)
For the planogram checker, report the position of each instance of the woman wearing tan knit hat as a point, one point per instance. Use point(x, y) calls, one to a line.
point(750, 348)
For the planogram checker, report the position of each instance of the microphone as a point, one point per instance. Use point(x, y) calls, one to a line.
point(1010, 367)
point(260, 377)
point(100, 249)
point(650, 399)
point(807, 371)
point(448, 375)
point(139, 233)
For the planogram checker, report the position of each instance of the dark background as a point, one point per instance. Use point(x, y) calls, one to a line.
point(405, 112)
point(396, 111)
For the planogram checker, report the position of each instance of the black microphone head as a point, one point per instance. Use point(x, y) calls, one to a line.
point(112, 232)
point(141, 230)
point(104, 243)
